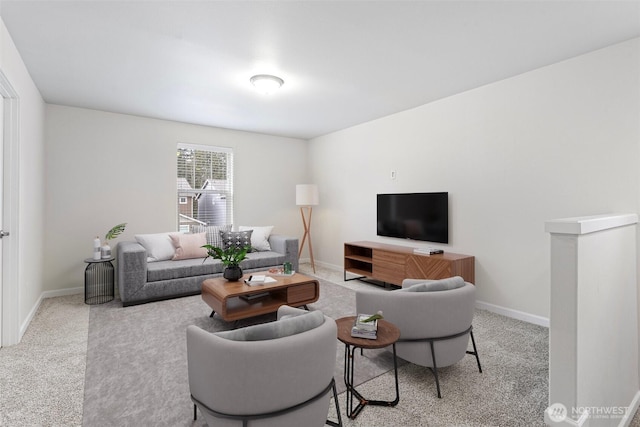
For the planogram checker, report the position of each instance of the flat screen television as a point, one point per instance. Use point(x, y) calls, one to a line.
point(417, 216)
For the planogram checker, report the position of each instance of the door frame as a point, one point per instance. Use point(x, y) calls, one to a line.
point(10, 333)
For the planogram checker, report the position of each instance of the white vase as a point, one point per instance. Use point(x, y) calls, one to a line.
point(97, 251)
point(105, 250)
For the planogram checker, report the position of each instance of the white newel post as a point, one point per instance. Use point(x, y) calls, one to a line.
point(593, 335)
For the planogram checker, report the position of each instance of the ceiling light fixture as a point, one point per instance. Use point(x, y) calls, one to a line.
point(266, 83)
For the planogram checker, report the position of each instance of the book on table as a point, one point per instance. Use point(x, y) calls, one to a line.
point(259, 279)
point(254, 297)
point(361, 329)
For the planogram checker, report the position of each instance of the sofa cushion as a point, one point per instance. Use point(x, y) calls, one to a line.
point(262, 259)
point(238, 239)
point(170, 270)
point(188, 246)
point(259, 237)
point(213, 233)
point(437, 285)
point(278, 329)
point(158, 246)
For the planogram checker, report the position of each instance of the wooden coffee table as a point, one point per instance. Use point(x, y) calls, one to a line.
point(232, 300)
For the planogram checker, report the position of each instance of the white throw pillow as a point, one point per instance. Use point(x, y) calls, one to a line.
point(158, 246)
point(259, 237)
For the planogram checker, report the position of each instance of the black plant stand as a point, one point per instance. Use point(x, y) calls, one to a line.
point(98, 281)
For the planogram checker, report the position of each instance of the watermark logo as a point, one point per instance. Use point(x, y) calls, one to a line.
point(557, 412)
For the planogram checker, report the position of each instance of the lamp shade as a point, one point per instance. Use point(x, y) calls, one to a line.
point(307, 195)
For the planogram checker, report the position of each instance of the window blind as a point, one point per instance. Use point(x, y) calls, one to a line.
point(205, 180)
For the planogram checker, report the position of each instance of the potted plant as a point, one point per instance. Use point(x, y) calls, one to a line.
point(230, 257)
point(111, 234)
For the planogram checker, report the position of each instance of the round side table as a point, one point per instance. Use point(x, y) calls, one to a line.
point(387, 335)
point(98, 281)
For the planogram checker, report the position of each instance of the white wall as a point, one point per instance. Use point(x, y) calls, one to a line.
point(560, 141)
point(30, 183)
point(104, 168)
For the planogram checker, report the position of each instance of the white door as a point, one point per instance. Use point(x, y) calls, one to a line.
point(1, 201)
point(9, 197)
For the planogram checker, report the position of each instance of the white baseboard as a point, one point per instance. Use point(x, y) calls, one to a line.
point(30, 316)
point(514, 314)
point(63, 292)
point(46, 294)
point(555, 418)
point(631, 411)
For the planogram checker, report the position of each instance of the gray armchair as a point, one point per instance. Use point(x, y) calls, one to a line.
point(272, 374)
point(434, 318)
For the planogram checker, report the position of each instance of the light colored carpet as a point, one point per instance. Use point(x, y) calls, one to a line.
point(42, 378)
point(137, 358)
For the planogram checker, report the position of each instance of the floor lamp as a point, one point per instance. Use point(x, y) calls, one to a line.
point(307, 197)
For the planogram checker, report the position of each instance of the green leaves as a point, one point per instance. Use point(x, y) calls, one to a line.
point(373, 317)
point(230, 257)
point(115, 231)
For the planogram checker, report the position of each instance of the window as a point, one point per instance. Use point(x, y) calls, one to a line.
point(204, 186)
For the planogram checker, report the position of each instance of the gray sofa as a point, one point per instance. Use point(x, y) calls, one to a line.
point(140, 281)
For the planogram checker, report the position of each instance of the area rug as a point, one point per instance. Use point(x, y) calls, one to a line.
point(136, 370)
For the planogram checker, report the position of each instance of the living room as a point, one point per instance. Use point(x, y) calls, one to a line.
point(560, 140)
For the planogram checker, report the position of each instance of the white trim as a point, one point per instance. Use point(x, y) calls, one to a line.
point(62, 292)
point(185, 146)
point(44, 295)
point(631, 410)
point(514, 314)
point(589, 224)
point(29, 318)
point(10, 333)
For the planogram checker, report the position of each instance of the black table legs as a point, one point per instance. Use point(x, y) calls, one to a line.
point(349, 358)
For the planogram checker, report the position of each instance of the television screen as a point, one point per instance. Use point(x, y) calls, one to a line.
point(417, 216)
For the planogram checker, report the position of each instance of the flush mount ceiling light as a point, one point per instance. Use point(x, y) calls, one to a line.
point(266, 83)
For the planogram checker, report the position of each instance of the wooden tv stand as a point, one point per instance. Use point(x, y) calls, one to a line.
point(392, 264)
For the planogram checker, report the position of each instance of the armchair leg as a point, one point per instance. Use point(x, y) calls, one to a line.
point(335, 400)
point(475, 351)
point(195, 412)
point(433, 353)
point(435, 369)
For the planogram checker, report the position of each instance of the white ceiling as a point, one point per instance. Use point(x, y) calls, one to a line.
point(343, 62)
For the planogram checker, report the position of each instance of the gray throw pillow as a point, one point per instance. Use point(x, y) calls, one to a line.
point(213, 233)
point(278, 329)
point(438, 285)
point(238, 239)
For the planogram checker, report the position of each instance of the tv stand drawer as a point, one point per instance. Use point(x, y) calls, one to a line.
point(382, 256)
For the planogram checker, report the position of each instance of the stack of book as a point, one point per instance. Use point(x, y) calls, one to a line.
point(259, 280)
point(362, 329)
point(254, 297)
